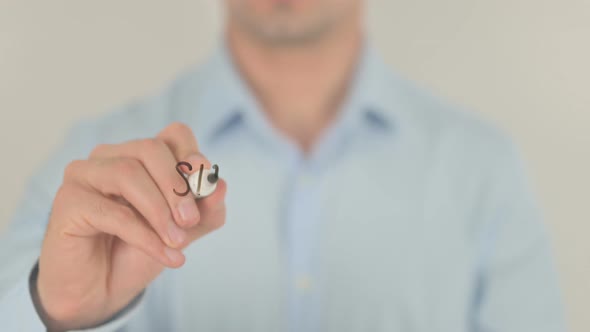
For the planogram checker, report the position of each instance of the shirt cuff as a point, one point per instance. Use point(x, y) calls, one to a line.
point(119, 319)
point(19, 313)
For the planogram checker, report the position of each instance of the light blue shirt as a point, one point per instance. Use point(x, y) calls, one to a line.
point(408, 215)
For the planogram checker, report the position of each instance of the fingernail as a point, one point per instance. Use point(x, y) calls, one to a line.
point(174, 255)
point(196, 160)
point(189, 213)
point(175, 234)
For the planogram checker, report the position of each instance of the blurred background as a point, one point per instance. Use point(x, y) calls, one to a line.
point(522, 64)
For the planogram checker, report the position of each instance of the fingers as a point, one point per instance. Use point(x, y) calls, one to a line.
point(113, 172)
point(180, 139)
point(213, 213)
point(110, 217)
point(182, 143)
point(160, 162)
point(184, 146)
point(216, 200)
point(127, 178)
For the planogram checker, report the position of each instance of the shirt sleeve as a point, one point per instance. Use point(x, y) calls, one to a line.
point(19, 313)
point(519, 284)
point(20, 244)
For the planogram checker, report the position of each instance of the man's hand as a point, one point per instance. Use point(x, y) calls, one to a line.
point(116, 224)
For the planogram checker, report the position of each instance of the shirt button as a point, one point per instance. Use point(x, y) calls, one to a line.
point(303, 283)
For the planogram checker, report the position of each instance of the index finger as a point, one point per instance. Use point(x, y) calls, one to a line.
point(183, 144)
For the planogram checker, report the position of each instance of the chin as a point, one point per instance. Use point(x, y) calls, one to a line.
point(271, 5)
point(288, 21)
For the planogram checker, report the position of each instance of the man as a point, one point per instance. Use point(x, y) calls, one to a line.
point(356, 202)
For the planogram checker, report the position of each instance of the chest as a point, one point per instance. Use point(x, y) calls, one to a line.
point(392, 248)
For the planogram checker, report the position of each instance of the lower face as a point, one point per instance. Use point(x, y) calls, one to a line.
point(290, 21)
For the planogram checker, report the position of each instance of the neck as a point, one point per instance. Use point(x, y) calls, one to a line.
point(300, 87)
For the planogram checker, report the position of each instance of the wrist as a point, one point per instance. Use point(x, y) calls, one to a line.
point(51, 324)
point(56, 316)
point(67, 318)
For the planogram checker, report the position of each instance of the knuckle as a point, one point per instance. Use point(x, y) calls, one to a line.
point(128, 167)
point(124, 213)
point(152, 145)
point(178, 131)
point(99, 150)
point(180, 128)
point(100, 208)
point(72, 168)
point(63, 196)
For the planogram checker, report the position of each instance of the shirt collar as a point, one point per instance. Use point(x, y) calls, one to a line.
point(370, 99)
point(224, 100)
